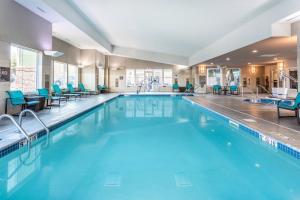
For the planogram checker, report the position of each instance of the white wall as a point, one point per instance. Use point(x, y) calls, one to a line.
point(117, 68)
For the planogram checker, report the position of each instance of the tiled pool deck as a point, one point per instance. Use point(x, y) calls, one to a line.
point(262, 118)
point(51, 118)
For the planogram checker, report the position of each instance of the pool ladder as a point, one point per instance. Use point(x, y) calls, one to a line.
point(19, 124)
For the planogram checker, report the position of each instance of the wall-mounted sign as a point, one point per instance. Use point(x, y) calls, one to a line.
point(4, 74)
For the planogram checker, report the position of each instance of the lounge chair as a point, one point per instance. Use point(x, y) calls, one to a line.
point(72, 90)
point(292, 105)
point(44, 92)
point(102, 88)
point(217, 89)
point(59, 93)
point(234, 89)
point(83, 89)
point(17, 98)
point(175, 87)
point(189, 88)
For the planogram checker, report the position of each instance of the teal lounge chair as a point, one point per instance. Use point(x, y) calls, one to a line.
point(234, 89)
point(58, 93)
point(72, 90)
point(17, 98)
point(189, 88)
point(82, 89)
point(175, 87)
point(44, 92)
point(217, 89)
point(292, 105)
point(102, 88)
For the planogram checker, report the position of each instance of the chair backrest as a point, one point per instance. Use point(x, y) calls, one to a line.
point(44, 92)
point(189, 86)
point(16, 97)
point(56, 89)
point(297, 101)
point(216, 87)
point(70, 88)
point(81, 87)
point(233, 88)
point(175, 86)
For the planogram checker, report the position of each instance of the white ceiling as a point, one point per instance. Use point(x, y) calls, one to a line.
point(184, 32)
point(178, 27)
point(268, 51)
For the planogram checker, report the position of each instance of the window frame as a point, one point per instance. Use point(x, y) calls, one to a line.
point(38, 66)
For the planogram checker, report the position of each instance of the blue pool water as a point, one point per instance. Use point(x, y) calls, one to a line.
point(149, 148)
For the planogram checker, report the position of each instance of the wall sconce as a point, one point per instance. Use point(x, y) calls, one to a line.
point(253, 70)
point(202, 69)
point(280, 66)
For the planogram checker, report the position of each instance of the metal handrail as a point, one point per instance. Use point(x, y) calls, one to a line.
point(283, 75)
point(36, 117)
point(19, 127)
point(264, 89)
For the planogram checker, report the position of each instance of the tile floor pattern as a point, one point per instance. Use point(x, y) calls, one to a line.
point(257, 116)
point(8, 134)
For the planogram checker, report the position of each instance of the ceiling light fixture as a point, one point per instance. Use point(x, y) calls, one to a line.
point(53, 53)
point(249, 63)
point(275, 58)
point(211, 63)
point(228, 59)
point(254, 51)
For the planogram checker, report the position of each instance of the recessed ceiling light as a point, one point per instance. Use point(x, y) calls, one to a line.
point(254, 51)
point(275, 58)
point(211, 63)
point(228, 59)
point(249, 63)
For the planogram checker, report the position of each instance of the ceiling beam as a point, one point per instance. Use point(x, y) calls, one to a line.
point(150, 56)
point(67, 11)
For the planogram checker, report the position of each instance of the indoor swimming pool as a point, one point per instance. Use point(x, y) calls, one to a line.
point(149, 148)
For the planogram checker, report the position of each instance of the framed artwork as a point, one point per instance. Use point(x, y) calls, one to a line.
point(4, 74)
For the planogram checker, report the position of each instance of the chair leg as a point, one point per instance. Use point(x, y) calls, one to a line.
point(297, 115)
point(278, 112)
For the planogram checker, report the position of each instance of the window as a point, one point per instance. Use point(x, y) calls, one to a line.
point(101, 76)
point(168, 77)
point(60, 74)
point(140, 76)
point(158, 76)
point(233, 76)
point(73, 75)
point(214, 76)
point(130, 77)
point(24, 69)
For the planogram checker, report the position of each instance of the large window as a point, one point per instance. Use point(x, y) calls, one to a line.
point(214, 76)
point(73, 75)
point(233, 76)
point(168, 77)
point(24, 69)
point(139, 76)
point(60, 74)
point(158, 76)
point(130, 77)
point(101, 76)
